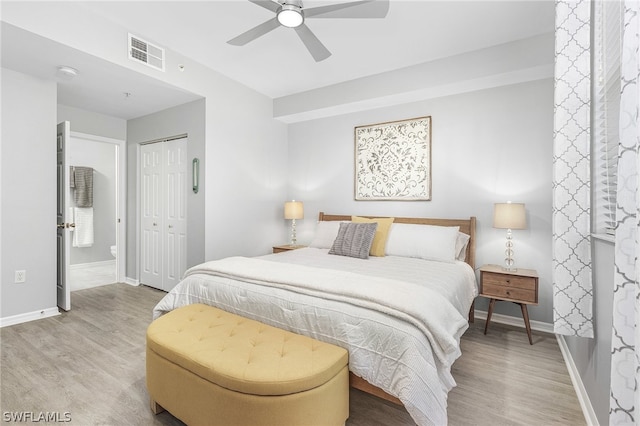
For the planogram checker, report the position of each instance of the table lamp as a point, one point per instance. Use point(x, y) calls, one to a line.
point(293, 210)
point(509, 216)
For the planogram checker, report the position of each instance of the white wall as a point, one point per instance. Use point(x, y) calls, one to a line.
point(246, 176)
point(28, 189)
point(488, 146)
point(93, 123)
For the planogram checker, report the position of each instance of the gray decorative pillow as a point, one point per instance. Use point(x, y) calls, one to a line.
point(354, 239)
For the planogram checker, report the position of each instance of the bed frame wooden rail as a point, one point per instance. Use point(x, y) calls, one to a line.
point(467, 226)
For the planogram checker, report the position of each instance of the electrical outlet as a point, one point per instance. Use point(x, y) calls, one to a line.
point(21, 276)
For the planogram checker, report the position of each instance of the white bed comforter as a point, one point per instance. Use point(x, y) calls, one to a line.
point(402, 334)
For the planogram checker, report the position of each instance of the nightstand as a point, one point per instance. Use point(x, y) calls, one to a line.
point(519, 286)
point(286, 247)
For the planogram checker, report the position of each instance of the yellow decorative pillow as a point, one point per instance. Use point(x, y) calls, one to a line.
point(382, 232)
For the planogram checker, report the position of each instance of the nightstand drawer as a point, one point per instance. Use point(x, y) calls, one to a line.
point(499, 290)
point(516, 282)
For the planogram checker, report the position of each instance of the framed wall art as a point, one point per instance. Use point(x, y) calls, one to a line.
point(393, 160)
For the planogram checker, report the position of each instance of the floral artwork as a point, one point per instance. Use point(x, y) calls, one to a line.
point(393, 160)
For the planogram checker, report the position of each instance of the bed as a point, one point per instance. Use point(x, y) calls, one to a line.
point(400, 315)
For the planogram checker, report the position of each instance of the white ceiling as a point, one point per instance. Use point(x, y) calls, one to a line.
point(277, 64)
point(100, 86)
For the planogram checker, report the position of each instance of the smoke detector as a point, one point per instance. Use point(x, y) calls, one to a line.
point(66, 72)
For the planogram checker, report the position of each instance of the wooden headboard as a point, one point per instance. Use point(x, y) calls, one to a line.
point(467, 226)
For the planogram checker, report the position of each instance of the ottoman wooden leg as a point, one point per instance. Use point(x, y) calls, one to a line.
point(155, 407)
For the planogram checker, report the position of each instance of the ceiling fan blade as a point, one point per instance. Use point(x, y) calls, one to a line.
point(267, 4)
point(255, 32)
point(354, 9)
point(314, 46)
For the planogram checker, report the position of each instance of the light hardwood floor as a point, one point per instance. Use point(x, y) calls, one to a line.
point(89, 362)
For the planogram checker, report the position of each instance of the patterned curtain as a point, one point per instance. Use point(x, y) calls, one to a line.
point(572, 291)
point(625, 342)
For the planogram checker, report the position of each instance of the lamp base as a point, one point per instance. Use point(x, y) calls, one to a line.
point(294, 240)
point(508, 260)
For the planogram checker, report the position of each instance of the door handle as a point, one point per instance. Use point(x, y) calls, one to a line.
point(60, 226)
point(65, 225)
point(155, 224)
point(71, 225)
point(170, 226)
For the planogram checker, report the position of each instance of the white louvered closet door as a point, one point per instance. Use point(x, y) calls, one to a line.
point(163, 213)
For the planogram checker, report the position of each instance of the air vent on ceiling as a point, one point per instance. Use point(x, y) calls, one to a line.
point(145, 52)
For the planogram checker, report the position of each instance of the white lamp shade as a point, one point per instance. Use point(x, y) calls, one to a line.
point(293, 210)
point(509, 216)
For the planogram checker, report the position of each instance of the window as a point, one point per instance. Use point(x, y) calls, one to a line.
point(607, 36)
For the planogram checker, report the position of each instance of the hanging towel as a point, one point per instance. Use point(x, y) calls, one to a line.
point(72, 217)
point(83, 234)
point(72, 177)
point(83, 186)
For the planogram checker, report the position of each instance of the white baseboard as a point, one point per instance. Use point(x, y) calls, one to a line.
point(93, 264)
point(545, 327)
point(581, 392)
point(28, 316)
point(131, 281)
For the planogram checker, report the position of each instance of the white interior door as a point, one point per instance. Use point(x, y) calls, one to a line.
point(63, 225)
point(163, 213)
point(151, 215)
point(175, 212)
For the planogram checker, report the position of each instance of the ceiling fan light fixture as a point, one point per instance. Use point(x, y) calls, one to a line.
point(290, 16)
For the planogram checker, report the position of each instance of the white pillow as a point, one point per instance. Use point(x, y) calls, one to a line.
point(326, 233)
point(462, 241)
point(423, 241)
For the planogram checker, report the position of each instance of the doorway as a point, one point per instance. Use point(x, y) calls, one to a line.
point(97, 242)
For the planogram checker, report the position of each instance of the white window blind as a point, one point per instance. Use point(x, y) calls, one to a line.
point(606, 103)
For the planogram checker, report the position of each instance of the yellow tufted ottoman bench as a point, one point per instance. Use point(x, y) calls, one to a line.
point(209, 367)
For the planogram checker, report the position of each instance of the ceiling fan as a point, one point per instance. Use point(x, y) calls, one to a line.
point(292, 14)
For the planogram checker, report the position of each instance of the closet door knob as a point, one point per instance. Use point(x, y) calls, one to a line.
point(170, 226)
